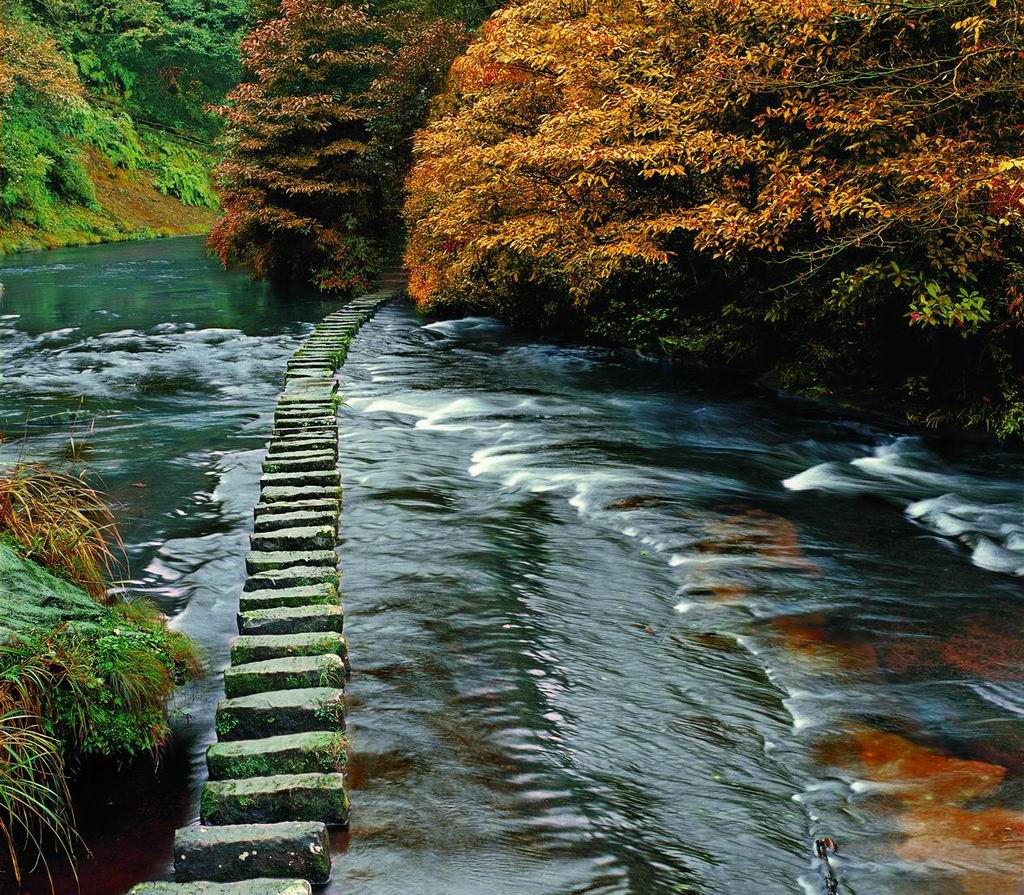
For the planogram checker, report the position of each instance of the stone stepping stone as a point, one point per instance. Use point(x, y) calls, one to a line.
point(301, 461)
point(293, 409)
point(262, 647)
point(300, 519)
point(303, 372)
point(248, 887)
point(320, 595)
point(276, 799)
point(306, 409)
point(286, 446)
point(323, 477)
point(326, 387)
point(289, 493)
point(294, 576)
point(298, 422)
point(306, 433)
point(296, 673)
point(315, 752)
point(310, 537)
point(321, 395)
point(289, 430)
point(274, 560)
point(292, 620)
point(309, 505)
point(281, 712)
point(242, 851)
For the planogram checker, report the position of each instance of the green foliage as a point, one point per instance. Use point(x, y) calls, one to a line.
point(182, 171)
point(40, 167)
point(101, 689)
point(97, 689)
point(113, 134)
point(125, 84)
point(162, 59)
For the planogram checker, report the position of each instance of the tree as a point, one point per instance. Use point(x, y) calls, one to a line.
point(319, 139)
point(40, 103)
point(296, 202)
point(825, 189)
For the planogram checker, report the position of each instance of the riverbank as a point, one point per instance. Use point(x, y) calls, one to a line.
point(129, 205)
point(82, 676)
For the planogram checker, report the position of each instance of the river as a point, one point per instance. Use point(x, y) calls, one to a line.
point(612, 632)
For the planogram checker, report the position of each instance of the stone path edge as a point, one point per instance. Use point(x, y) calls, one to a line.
point(277, 777)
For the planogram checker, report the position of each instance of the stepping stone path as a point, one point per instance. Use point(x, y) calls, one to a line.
point(277, 772)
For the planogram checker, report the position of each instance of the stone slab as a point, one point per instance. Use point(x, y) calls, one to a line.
point(324, 478)
point(292, 620)
point(300, 519)
point(240, 852)
point(301, 461)
point(294, 576)
point(305, 538)
point(257, 561)
point(301, 505)
point(319, 594)
point(293, 673)
point(248, 887)
point(314, 752)
point(283, 797)
point(281, 712)
point(263, 647)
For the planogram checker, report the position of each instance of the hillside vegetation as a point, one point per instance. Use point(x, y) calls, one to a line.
point(104, 123)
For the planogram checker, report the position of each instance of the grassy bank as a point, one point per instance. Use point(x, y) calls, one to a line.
point(82, 672)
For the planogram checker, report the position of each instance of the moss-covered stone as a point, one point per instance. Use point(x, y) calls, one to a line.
point(281, 712)
point(283, 797)
point(304, 538)
point(297, 479)
point(30, 597)
point(295, 576)
point(293, 673)
point(320, 594)
point(267, 561)
point(289, 493)
point(303, 442)
point(315, 752)
point(292, 620)
point(330, 504)
point(296, 410)
point(240, 852)
point(263, 647)
point(306, 461)
point(248, 887)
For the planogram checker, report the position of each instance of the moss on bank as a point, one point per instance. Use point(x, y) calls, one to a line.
point(76, 679)
point(80, 161)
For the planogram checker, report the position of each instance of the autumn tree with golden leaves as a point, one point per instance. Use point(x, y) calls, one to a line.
point(831, 191)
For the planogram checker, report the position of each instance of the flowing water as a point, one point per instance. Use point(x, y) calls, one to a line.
point(612, 632)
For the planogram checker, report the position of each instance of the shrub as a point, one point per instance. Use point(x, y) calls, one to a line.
point(830, 190)
point(34, 804)
point(60, 522)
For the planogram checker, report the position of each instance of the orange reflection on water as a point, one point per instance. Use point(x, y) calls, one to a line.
point(981, 847)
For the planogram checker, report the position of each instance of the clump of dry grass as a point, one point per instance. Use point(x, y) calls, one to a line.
point(60, 522)
point(35, 809)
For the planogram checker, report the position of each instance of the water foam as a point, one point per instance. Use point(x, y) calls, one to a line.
point(985, 515)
